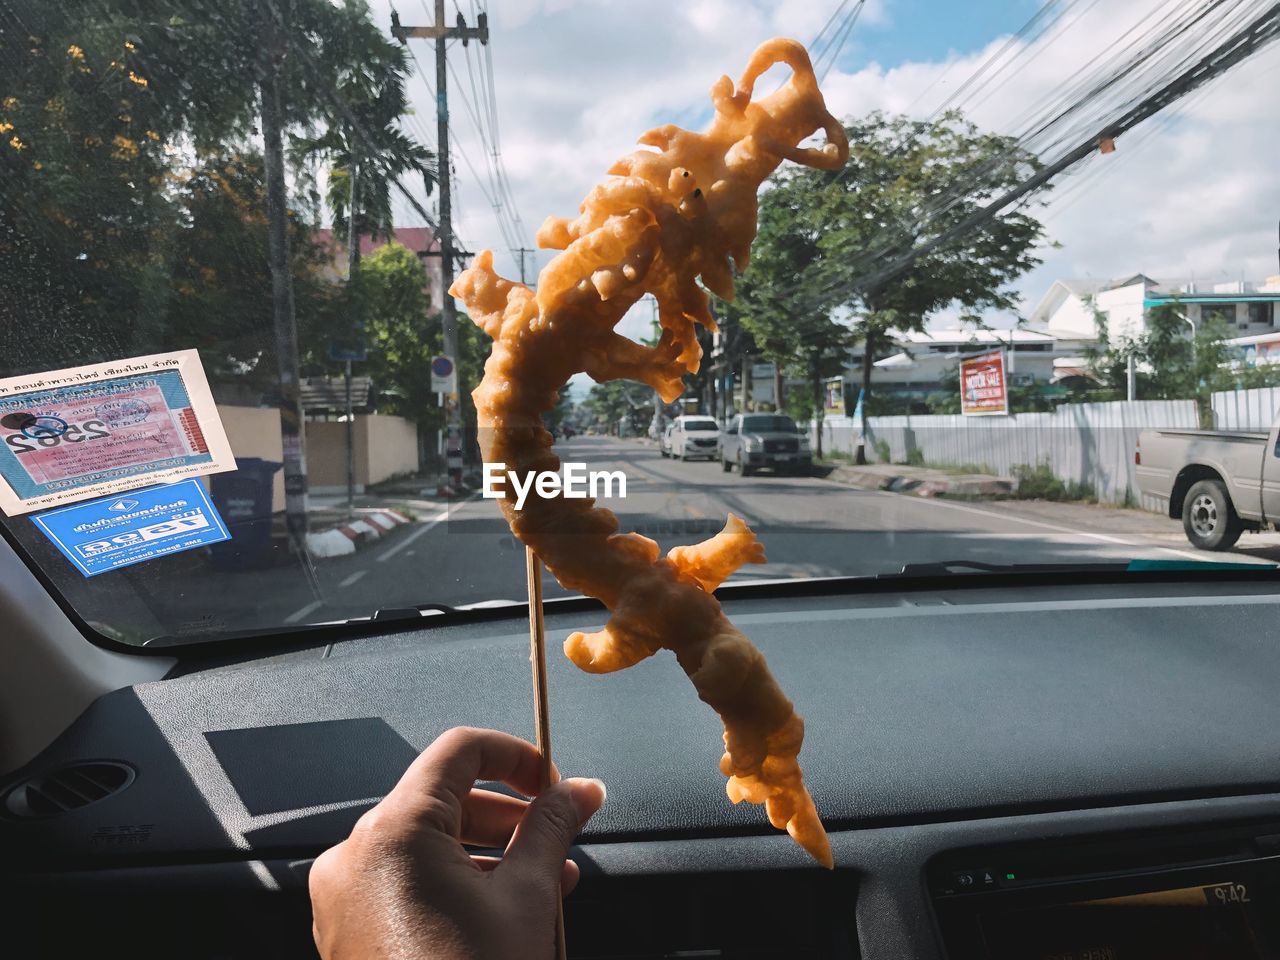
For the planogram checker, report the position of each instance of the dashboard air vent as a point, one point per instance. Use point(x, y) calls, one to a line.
point(67, 788)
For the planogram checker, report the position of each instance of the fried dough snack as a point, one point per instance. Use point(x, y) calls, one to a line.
point(684, 210)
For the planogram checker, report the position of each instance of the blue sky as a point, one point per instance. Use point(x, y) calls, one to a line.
point(922, 30)
point(1193, 194)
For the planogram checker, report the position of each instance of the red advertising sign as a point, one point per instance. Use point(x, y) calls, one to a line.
point(983, 389)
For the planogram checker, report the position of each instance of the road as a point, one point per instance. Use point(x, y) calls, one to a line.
point(810, 526)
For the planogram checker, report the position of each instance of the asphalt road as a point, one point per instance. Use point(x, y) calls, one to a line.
point(810, 527)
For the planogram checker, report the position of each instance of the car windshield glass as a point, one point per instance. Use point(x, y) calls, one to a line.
point(1032, 321)
point(768, 425)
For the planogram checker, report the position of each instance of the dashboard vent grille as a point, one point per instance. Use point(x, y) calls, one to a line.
point(67, 788)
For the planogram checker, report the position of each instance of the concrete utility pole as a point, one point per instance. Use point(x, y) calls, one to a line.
point(353, 275)
point(442, 34)
point(292, 425)
point(523, 275)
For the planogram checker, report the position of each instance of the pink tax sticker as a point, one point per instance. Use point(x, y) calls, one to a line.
point(79, 433)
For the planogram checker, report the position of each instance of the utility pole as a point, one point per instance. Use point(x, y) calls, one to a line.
point(284, 323)
point(353, 273)
point(442, 34)
point(522, 251)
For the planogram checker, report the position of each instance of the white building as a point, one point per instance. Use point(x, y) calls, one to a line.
point(1070, 308)
point(923, 359)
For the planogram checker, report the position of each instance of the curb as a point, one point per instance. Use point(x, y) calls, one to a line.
point(346, 539)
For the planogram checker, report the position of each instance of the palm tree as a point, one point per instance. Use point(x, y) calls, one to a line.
point(362, 144)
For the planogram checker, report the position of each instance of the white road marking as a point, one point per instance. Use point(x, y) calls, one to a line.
point(354, 577)
point(1105, 538)
point(306, 611)
point(422, 528)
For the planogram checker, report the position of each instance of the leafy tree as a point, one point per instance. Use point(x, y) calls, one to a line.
point(1169, 363)
point(885, 202)
point(562, 411)
point(608, 403)
point(401, 338)
point(787, 262)
point(360, 129)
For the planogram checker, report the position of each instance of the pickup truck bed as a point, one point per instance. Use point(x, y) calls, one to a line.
point(1218, 482)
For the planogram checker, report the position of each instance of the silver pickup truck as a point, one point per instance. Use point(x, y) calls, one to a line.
point(1219, 483)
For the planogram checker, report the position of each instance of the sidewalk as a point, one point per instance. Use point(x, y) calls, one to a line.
point(921, 481)
point(332, 532)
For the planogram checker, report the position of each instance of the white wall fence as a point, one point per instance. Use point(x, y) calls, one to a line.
point(1089, 443)
point(1246, 409)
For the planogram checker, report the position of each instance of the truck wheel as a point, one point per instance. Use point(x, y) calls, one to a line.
point(725, 465)
point(1209, 518)
point(743, 468)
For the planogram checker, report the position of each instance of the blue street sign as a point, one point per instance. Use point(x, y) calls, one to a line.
point(113, 532)
point(350, 348)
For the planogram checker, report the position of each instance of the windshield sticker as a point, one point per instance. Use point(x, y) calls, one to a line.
point(69, 435)
point(119, 531)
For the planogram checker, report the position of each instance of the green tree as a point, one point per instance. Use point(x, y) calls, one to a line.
point(1169, 364)
point(401, 337)
point(885, 202)
point(608, 403)
point(562, 411)
point(798, 336)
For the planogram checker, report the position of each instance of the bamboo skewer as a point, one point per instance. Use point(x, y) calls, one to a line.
point(541, 708)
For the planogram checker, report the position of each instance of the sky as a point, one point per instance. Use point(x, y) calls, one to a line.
point(1193, 193)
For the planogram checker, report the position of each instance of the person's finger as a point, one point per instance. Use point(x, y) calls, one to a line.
point(569, 875)
point(433, 790)
point(489, 819)
point(541, 842)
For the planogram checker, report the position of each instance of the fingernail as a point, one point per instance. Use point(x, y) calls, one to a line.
point(587, 795)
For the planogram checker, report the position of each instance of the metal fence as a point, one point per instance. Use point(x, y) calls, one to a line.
point(1090, 443)
point(1246, 409)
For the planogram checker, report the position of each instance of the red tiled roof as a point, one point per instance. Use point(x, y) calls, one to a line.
point(417, 239)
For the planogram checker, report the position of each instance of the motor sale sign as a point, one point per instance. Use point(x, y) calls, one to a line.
point(983, 388)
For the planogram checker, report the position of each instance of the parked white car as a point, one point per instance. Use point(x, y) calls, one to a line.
point(693, 437)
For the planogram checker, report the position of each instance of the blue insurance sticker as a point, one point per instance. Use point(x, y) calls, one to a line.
point(113, 532)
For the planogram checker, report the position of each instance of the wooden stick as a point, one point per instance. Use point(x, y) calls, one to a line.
point(541, 707)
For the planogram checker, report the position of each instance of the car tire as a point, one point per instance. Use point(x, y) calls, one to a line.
point(743, 469)
point(1209, 518)
point(725, 465)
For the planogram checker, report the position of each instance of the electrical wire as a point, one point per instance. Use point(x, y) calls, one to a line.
point(1166, 56)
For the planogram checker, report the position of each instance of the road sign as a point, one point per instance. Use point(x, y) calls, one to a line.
point(983, 388)
point(444, 375)
point(353, 349)
point(119, 531)
point(833, 396)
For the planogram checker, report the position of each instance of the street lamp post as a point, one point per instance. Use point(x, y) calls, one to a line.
point(1192, 323)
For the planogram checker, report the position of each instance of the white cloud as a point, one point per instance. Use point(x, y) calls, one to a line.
point(1192, 192)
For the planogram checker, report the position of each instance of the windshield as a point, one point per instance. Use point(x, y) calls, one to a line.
point(768, 425)
point(235, 394)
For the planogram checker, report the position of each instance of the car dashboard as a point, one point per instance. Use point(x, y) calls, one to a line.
point(1064, 770)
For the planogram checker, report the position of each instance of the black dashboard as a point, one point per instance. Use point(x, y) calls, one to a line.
point(1031, 774)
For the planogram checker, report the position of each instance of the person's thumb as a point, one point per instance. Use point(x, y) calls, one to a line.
point(541, 842)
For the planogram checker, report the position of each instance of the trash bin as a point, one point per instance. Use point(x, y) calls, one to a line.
point(243, 498)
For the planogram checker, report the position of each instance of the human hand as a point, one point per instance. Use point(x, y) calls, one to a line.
point(402, 886)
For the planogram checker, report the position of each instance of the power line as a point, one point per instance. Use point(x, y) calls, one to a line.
point(1233, 50)
point(1057, 128)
